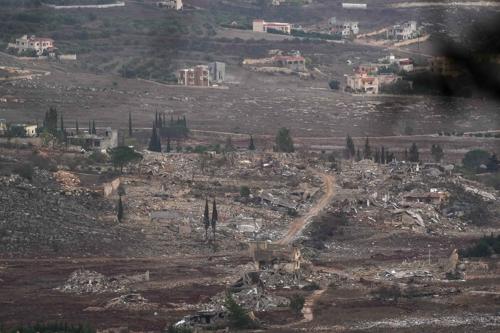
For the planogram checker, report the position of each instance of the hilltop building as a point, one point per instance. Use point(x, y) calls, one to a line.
point(217, 72)
point(362, 82)
point(262, 26)
point(40, 45)
point(203, 75)
point(294, 62)
point(403, 31)
point(172, 4)
point(345, 28)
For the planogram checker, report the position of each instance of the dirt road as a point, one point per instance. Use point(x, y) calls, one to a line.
point(302, 222)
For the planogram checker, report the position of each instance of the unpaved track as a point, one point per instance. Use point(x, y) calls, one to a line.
point(329, 182)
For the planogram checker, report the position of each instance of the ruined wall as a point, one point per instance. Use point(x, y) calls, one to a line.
point(372, 33)
point(118, 4)
point(110, 187)
point(21, 141)
point(412, 41)
point(67, 57)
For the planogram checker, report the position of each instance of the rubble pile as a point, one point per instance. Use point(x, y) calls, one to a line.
point(70, 184)
point(89, 282)
point(132, 301)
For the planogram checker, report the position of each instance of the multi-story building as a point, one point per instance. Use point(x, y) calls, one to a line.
point(403, 31)
point(262, 26)
point(443, 66)
point(217, 72)
point(38, 44)
point(197, 76)
point(172, 4)
point(345, 28)
point(362, 82)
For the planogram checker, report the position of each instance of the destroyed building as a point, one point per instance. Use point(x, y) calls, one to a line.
point(275, 256)
point(100, 142)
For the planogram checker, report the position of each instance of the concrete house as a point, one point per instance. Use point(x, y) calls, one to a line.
point(345, 28)
point(443, 66)
point(38, 44)
point(294, 62)
point(403, 31)
point(3, 126)
point(275, 256)
point(100, 142)
point(217, 72)
point(29, 130)
point(197, 76)
point(173, 4)
point(262, 26)
point(361, 81)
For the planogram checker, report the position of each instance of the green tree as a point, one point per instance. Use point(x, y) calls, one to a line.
point(251, 146)
point(215, 217)
point(414, 156)
point(76, 126)
point(408, 130)
point(90, 128)
point(367, 150)
point(382, 156)
point(93, 127)
point(493, 163)
point(130, 124)
point(474, 158)
point(297, 303)
point(334, 84)
point(154, 142)
point(238, 316)
point(358, 157)
point(62, 123)
point(206, 219)
point(229, 144)
point(169, 148)
point(284, 141)
point(349, 147)
point(120, 190)
point(122, 156)
point(51, 120)
point(437, 153)
point(245, 191)
point(120, 210)
point(309, 63)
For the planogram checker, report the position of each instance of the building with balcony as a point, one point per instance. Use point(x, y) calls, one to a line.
point(403, 31)
point(40, 45)
point(360, 81)
point(345, 28)
point(196, 76)
point(443, 66)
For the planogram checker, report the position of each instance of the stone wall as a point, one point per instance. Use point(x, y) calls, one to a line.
point(118, 4)
point(412, 41)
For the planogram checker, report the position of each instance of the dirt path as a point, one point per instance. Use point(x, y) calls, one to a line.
point(302, 222)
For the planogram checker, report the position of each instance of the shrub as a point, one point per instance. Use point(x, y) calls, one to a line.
point(488, 135)
point(245, 191)
point(24, 170)
point(313, 286)
point(292, 212)
point(334, 84)
point(238, 317)
point(297, 303)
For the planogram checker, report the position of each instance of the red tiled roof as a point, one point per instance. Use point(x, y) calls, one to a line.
point(277, 58)
point(390, 76)
point(365, 79)
point(258, 20)
point(52, 48)
point(407, 61)
point(360, 72)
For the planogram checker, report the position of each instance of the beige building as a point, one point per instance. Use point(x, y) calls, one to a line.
point(403, 31)
point(362, 82)
point(39, 44)
point(197, 76)
point(262, 26)
point(294, 62)
point(275, 256)
point(443, 66)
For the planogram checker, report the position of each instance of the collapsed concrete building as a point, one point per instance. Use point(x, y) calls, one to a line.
point(275, 256)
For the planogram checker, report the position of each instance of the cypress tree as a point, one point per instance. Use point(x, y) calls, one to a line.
point(120, 210)
point(168, 144)
point(367, 151)
point(154, 142)
point(93, 127)
point(156, 119)
point(350, 149)
point(382, 156)
point(171, 120)
point(164, 123)
point(214, 217)
point(129, 124)
point(185, 124)
point(62, 123)
point(414, 156)
point(252, 146)
point(90, 128)
point(206, 219)
point(76, 126)
point(359, 155)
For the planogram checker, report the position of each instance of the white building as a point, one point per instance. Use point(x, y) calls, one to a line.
point(345, 28)
point(173, 4)
point(403, 31)
point(262, 26)
point(39, 44)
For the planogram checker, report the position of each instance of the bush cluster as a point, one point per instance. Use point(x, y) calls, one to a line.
point(483, 248)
